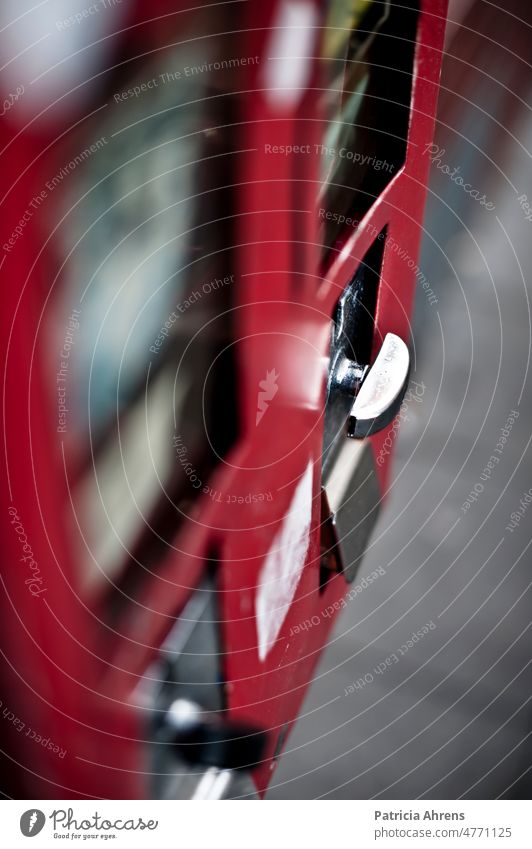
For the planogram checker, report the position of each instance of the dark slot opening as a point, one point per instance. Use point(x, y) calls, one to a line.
point(366, 139)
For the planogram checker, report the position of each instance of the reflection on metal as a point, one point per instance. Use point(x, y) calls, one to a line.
point(351, 495)
point(350, 505)
point(351, 345)
point(213, 784)
point(210, 738)
point(209, 784)
point(196, 751)
point(382, 391)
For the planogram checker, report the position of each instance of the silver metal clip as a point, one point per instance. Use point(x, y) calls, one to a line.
point(379, 398)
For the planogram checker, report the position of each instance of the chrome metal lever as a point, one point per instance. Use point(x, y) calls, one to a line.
point(381, 391)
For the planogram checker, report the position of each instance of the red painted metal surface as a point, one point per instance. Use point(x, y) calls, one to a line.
point(68, 676)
